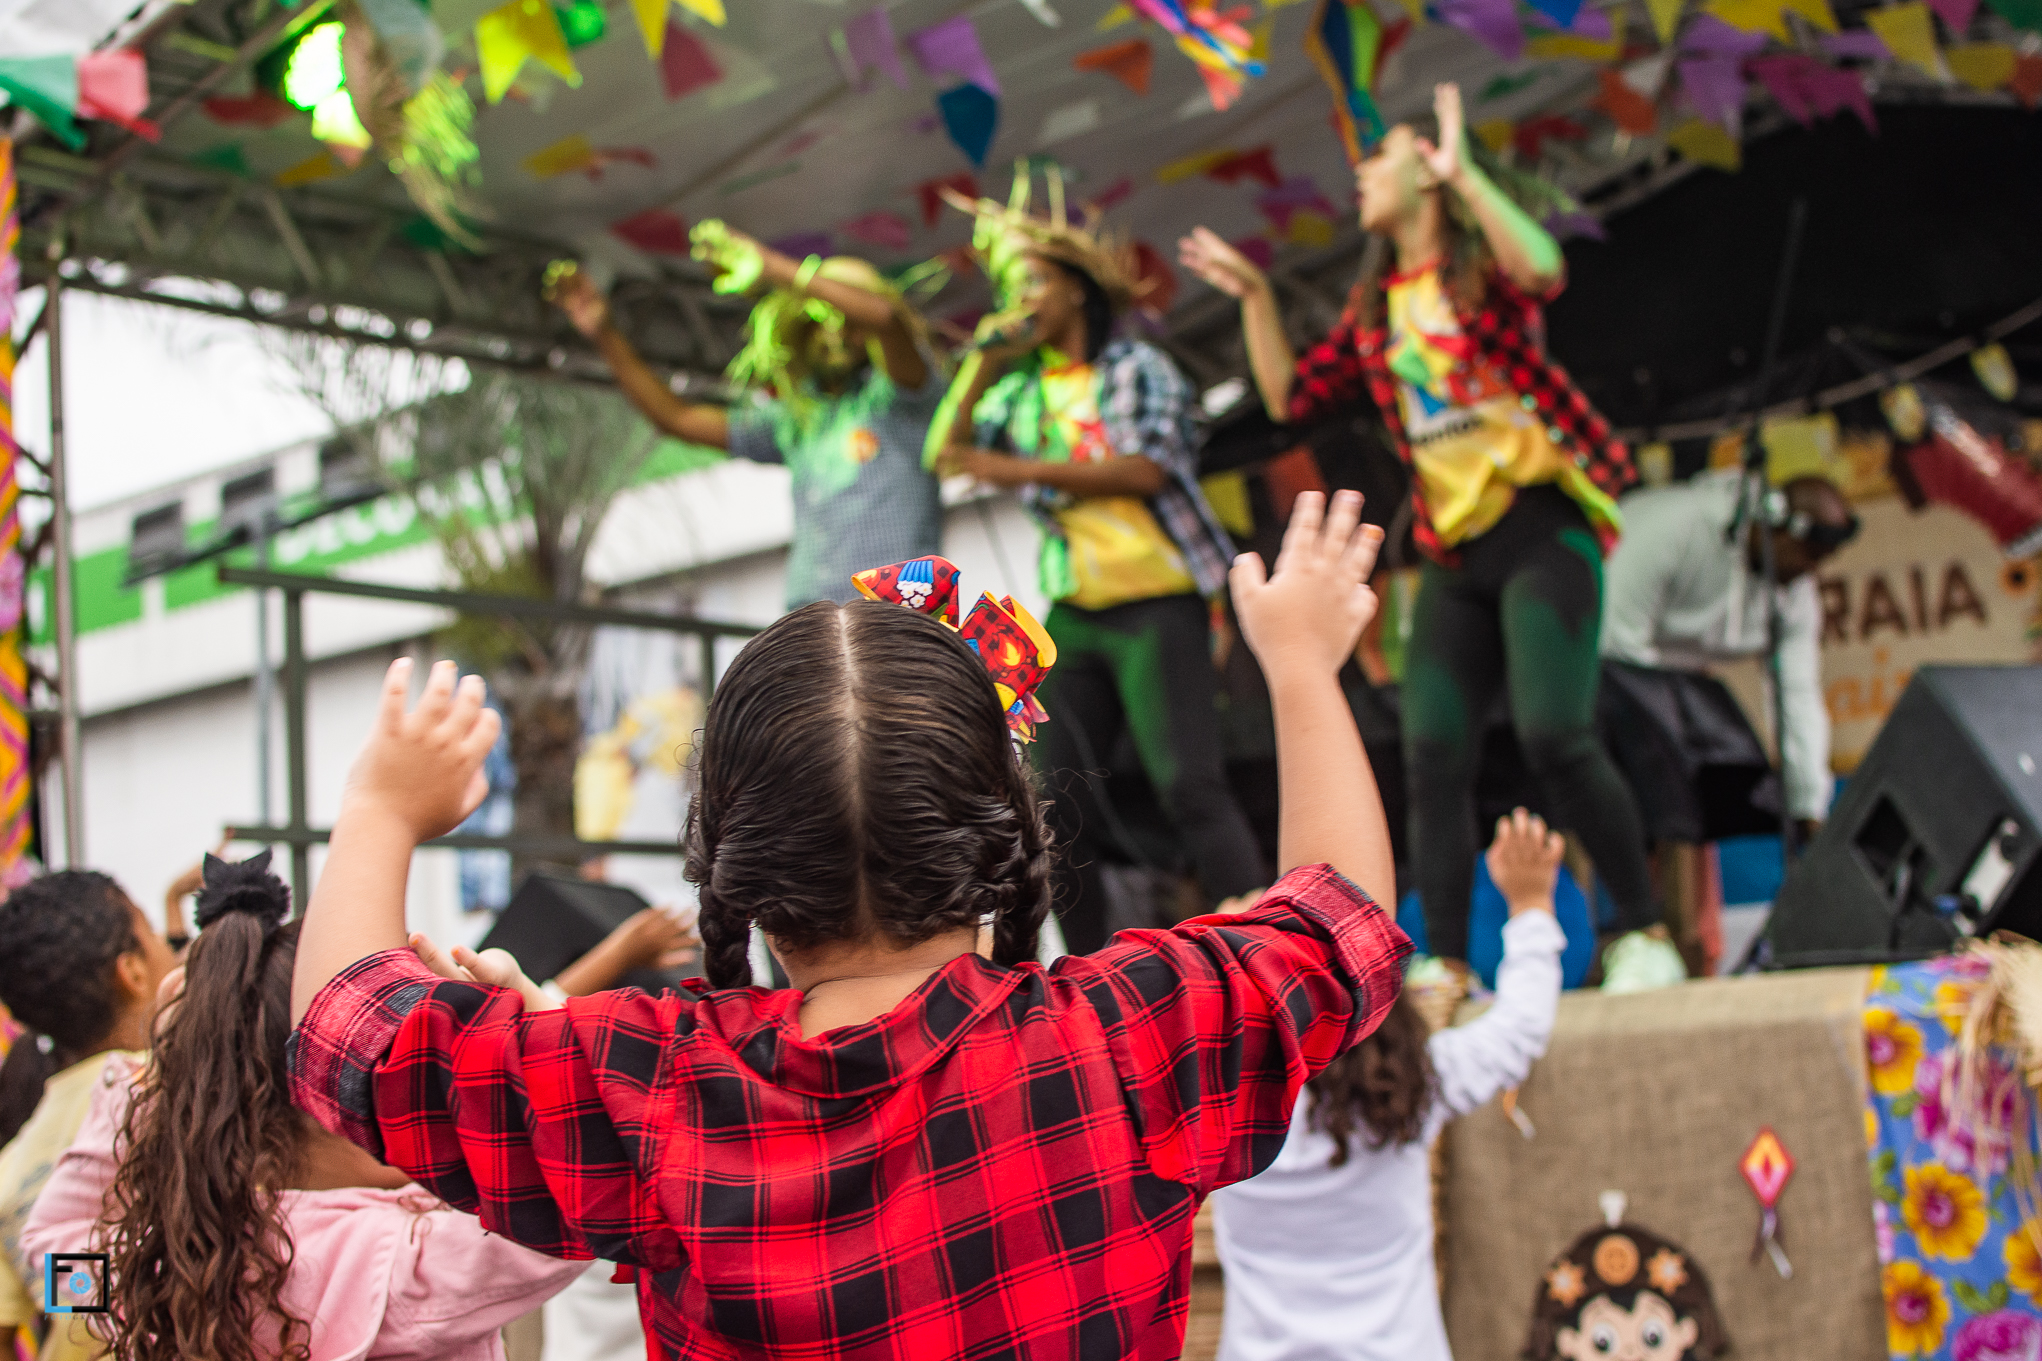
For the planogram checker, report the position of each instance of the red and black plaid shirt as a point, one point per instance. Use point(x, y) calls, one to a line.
point(1004, 1165)
point(1507, 333)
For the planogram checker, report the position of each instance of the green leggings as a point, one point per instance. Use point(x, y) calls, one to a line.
point(1522, 613)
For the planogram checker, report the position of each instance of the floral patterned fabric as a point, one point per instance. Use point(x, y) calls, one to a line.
point(1959, 1265)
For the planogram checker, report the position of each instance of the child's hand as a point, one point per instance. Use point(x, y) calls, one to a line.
point(423, 769)
point(1524, 861)
point(1308, 614)
point(492, 968)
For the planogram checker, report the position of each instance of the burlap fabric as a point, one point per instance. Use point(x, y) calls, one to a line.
point(1658, 1095)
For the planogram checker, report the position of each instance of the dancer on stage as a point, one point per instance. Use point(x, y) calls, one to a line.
point(851, 387)
point(1685, 590)
point(1514, 494)
point(1098, 430)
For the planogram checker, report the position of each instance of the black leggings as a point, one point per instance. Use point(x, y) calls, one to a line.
point(1522, 612)
point(1145, 667)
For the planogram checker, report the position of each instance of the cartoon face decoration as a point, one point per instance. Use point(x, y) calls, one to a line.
point(1623, 1293)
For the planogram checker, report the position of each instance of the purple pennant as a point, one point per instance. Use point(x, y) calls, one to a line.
point(951, 48)
point(1492, 21)
point(1712, 37)
point(1860, 43)
point(869, 39)
point(1956, 14)
point(801, 245)
point(1299, 193)
point(1714, 87)
point(1807, 89)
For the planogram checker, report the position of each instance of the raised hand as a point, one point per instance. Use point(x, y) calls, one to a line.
point(737, 259)
point(1446, 159)
point(574, 293)
point(1310, 611)
point(1219, 264)
point(491, 968)
point(1524, 861)
point(422, 768)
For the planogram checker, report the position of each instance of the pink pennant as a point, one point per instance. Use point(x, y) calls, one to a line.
point(1113, 195)
point(1493, 21)
point(685, 65)
point(1808, 89)
point(113, 85)
point(655, 230)
point(869, 38)
point(1955, 14)
point(1257, 249)
point(951, 48)
point(1714, 87)
point(888, 231)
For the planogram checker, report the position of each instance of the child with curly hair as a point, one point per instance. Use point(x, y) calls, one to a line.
point(915, 1150)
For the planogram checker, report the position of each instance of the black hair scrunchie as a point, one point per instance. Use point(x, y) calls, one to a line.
point(242, 886)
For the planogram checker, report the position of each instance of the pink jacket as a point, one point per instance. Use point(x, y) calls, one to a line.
point(384, 1274)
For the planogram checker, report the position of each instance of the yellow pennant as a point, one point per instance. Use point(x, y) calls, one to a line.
point(320, 167)
point(712, 10)
point(1908, 34)
point(1982, 66)
point(1114, 18)
point(1816, 12)
point(1549, 45)
point(1665, 19)
point(1191, 165)
point(651, 16)
point(510, 33)
point(1704, 143)
point(1752, 16)
point(569, 153)
point(1495, 134)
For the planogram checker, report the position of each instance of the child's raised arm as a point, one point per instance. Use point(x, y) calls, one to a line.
point(1302, 620)
point(417, 777)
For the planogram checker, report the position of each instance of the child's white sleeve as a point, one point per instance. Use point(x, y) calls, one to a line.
point(1474, 1062)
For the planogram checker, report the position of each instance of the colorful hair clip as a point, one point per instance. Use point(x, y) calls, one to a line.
point(1016, 650)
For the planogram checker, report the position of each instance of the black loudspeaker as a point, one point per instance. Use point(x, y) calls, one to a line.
point(1938, 833)
point(554, 919)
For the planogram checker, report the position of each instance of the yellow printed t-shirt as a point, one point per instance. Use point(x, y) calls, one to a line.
point(1472, 441)
point(1118, 551)
point(25, 1164)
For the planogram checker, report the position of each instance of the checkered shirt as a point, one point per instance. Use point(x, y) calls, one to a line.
point(1507, 332)
point(1004, 1165)
point(1148, 409)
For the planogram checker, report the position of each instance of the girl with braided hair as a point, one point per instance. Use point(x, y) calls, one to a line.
point(914, 1150)
point(236, 1228)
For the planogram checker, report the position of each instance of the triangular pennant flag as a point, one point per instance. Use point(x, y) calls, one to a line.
point(569, 153)
point(1188, 166)
point(1647, 75)
point(651, 16)
point(48, 88)
point(971, 116)
point(1533, 133)
point(114, 86)
point(1706, 144)
point(227, 156)
point(1495, 134)
point(1131, 63)
point(1114, 18)
point(1753, 16)
point(1113, 195)
point(1665, 18)
point(1858, 45)
point(869, 41)
point(1955, 14)
point(1630, 111)
point(1561, 12)
point(2027, 80)
point(1298, 194)
point(888, 231)
point(952, 48)
point(1714, 87)
point(312, 168)
point(1044, 15)
point(2020, 13)
point(685, 64)
point(1909, 34)
point(258, 110)
point(1982, 66)
point(1582, 48)
point(930, 194)
point(1258, 165)
point(510, 33)
point(1710, 36)
point(1816, 12)
point(1494, 22)
point(712, 10)
point(655, 231)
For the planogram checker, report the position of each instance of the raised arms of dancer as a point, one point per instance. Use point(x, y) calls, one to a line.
point(589, 310)
point(1123, 475)
point(1302, 621)
point(1525, 253)
point(1270, 356)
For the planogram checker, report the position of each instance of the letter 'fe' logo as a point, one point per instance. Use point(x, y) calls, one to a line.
point(74, 1283)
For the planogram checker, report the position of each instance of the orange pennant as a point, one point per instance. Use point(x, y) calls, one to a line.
point(1128, 62)
point(1628, 109)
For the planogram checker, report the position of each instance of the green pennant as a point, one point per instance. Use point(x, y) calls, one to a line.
point(228, 157)
point(48, 88)
point(2020, 13)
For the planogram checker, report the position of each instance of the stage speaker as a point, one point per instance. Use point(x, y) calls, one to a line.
point(554, 919)
point(1938, 833)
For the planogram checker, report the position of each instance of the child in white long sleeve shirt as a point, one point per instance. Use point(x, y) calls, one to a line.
point(1328, 1254)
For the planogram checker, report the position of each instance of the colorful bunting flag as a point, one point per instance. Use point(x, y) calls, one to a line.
point(1909, 34)
point(1714, 87)
point(1710, 36)
point(258, 110)
point(1343, 42)
point(1509, 84)
point(1300, 193)
point(1706, 143)
point(1113, 18)
point(1630, 111)
point(1533, 133)
point(1214, 40)
point(1130, 62)
point(1807, 88)
point(1665, 18)
point(887, 231)
point(655, 231)
point(1581, 46)
point(711, 10)
point(509, 34)
point(1495, 134)
point(685, 63)
point(2020, 13)
point(1858, 44)
point(1309, 229)
point(651, 17)
point(1769, 16)
point(310, 170)
point(569, 153)
point(14, 827)
point(1568, 226)
point(869, 41)
point(1258, 165)
point(971, 115)
point(1561, 13)
point(1113, 195)
point(930, 194)
point(1494, 22)
point(114, 86)
point(951, 48)
point(1982, 66)
point(2026, 82)
point(1258, 250)
point(1955, 14)
point(48, 88)
point(1186, 167)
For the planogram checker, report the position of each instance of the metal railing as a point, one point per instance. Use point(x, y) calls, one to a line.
point(301, 836)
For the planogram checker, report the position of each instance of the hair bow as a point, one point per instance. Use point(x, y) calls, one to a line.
point(1016, 650)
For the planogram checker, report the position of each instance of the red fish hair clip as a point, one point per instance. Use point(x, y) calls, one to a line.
point(1016, 650)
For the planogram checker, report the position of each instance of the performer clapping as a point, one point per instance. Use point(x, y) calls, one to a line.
point(1514, 500)
point(841, 356)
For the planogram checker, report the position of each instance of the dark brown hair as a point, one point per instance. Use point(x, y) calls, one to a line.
point(1385, 1082)
point(196, 1234)
point(1644, 1263)
point(857, 776)
point(64, 931)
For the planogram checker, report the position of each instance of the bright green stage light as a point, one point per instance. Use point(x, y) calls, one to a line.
point(314, 70)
